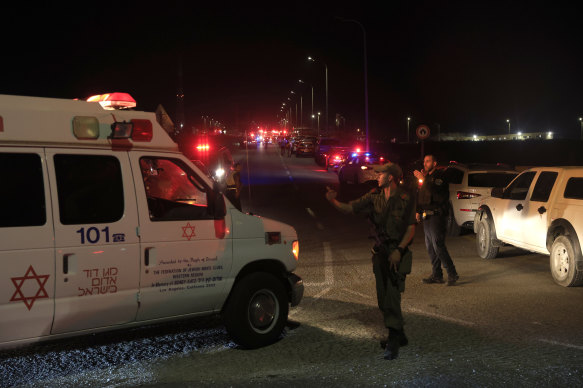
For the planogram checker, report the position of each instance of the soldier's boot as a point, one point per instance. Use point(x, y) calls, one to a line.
point(392, 347)
point(452, 279)
point(433, 279)
point(403, 341)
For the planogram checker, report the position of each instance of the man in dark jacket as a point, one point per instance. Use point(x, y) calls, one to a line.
point(432, 207)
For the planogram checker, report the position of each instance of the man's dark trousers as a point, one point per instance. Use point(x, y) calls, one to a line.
point(435, 228)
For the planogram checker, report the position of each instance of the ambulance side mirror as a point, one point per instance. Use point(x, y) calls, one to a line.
point(216, 202)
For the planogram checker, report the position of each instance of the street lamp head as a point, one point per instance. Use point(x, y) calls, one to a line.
point(311, 59)
point(313, 116)
point(507, 120)
point(319, 113)
point(300, 81)
point(408, 118)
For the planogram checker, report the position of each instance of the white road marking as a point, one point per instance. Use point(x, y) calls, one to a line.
point(357, 293)
point(322, 293)
point(561, 344)
point(439, 316)
point(328, 270)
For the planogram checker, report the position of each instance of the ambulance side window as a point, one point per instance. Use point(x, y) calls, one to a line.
point(174, 192)
point(22, 196)
point(90, 189)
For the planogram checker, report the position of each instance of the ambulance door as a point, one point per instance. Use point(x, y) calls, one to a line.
point(27, 261)
point(186, 252)
point(97, 248)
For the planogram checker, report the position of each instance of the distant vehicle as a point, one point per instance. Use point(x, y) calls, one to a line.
point(358, 168)
point(216, 159)
point(323, 146)
point(293, 144)
point(335, 157)
point(306, 147)
point(468, 184)
point(541, 211)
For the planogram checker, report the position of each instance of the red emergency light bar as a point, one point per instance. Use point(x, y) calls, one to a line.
point(115, 100)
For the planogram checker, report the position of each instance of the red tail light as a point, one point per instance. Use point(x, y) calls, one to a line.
point(203, 147)
point(466, 195)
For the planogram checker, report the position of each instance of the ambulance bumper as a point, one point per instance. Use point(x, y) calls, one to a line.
point(297, 288)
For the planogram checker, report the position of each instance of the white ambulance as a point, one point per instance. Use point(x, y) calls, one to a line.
point(104, 224)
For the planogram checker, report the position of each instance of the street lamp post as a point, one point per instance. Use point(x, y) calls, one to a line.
point(408, 121)
point(311, 59)
point(301, 111)
point(581, 122)
point(312, 99)
point(365, 76)
point(508, 121)
point(301, 106)
point(318, 123)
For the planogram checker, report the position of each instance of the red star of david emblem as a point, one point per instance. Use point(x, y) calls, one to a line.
point(188, 231)
point(19, 282)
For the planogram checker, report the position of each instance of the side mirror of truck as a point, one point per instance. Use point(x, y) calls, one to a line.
point(497, 192)
point(216, 202)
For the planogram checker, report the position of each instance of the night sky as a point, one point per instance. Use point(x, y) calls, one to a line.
point(467, 66)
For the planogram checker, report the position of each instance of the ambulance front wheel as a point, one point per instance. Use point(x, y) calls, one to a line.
point(257, 310)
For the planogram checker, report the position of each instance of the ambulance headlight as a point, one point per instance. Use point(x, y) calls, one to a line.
point(296, 249)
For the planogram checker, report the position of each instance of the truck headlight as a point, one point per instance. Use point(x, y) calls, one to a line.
point(296, 249)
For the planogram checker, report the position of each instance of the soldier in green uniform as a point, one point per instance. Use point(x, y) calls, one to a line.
point(391, 212)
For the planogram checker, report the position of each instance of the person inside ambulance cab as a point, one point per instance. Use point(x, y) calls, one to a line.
point(173, 191)
point(150, 174)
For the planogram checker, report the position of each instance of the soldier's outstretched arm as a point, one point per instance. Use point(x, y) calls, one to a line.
point(331, 197)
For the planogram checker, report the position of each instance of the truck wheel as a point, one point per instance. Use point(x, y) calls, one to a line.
point(564, 263)
point(485, 248)
point(453, 229)
point(257, 310)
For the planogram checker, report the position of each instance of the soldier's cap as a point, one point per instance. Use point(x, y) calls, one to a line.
point(392, 168)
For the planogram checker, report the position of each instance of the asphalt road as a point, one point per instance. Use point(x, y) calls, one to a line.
point(505, 323)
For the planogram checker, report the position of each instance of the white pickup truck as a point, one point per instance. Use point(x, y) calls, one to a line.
point(541, 210)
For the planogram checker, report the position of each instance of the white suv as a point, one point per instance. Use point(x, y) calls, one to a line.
point(540, 211)
point(468, 184)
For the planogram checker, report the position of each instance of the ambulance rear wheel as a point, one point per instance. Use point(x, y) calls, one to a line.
point(257, 310)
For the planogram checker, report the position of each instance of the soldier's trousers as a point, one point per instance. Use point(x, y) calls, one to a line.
point(388, 285)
